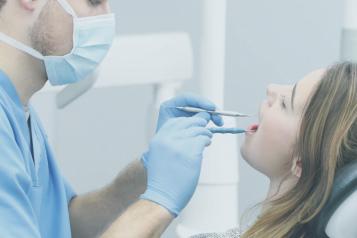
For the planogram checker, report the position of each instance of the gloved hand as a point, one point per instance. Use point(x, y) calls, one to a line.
point(173, 162)
point(168, 109)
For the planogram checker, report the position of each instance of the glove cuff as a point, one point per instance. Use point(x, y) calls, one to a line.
point(158, 198)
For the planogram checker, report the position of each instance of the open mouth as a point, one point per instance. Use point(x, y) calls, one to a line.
point(253, 128)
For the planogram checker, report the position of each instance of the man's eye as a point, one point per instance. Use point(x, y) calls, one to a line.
point(95, 2)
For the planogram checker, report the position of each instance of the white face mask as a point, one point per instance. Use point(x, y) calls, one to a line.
point(92, 39)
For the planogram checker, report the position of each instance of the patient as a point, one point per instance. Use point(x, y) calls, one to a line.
point(305, 133)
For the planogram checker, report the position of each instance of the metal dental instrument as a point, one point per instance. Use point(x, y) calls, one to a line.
point(221, 113)
point(223, 130)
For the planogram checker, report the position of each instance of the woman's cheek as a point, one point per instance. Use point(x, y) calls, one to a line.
point(269, 148)
point(252, 151)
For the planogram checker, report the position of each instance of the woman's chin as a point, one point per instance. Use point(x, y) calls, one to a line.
point(246, 143)
point(247, 153)
point(243, 151)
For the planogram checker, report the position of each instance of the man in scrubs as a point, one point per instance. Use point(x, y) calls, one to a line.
point(63, 41)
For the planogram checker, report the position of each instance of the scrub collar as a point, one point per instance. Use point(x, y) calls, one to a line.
point(18, 110)
point(10, 89)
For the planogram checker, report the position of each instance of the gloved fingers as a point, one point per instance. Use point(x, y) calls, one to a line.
point(188, 122)
point(168, 108)
point(203, 141)
point(218, 120)
point(170, 123)
point(198, 131)
point(200, 119)
point(190, 100)
point(207, 116)
point(203, 115)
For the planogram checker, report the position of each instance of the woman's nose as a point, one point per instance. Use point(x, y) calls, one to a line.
point(271, 94)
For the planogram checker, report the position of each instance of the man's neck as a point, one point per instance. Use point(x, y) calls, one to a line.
point(26, 73)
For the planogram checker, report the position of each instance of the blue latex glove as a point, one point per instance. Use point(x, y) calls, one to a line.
point(173, 161)
point(168, 109)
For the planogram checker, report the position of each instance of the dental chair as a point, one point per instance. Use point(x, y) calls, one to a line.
point(338, 218)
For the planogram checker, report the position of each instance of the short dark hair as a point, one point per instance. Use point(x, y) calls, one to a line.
point(2, 3)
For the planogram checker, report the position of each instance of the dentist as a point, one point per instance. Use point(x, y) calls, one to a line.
point(63, 41)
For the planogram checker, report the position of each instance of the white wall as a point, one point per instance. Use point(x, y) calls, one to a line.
point(268, 41)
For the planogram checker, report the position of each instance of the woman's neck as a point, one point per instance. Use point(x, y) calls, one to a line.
point(278, 187)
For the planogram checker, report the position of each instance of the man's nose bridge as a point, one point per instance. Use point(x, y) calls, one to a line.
point(105, 7)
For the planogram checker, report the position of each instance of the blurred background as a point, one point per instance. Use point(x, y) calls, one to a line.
point(274, 41)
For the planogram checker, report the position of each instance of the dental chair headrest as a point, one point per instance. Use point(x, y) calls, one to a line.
point(338, 218)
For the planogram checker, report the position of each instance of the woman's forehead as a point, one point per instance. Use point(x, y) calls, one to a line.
point(305, 87)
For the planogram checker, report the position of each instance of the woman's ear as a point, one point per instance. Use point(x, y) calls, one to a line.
point(296, 167)
point(28, 4)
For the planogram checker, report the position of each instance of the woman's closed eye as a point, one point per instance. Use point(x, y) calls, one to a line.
point(282, 102)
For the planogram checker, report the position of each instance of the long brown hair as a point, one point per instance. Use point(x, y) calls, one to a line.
point(327, 140)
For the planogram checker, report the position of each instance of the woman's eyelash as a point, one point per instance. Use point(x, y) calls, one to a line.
point(283, 102)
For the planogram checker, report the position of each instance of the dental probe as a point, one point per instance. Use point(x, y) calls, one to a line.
point(223, 130)
point(221, 113)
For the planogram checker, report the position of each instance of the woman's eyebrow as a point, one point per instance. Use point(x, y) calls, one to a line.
point(293, 96)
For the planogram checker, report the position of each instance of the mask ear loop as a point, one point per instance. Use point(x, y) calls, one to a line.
point(67, 7)
point(18, 45)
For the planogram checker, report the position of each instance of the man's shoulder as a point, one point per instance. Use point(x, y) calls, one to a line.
point(6, 107)
point(5, 121)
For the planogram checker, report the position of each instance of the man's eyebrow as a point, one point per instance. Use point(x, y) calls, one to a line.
point(293, 96)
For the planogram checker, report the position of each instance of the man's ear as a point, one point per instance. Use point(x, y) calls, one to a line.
point(28, 4)
point(296, 167)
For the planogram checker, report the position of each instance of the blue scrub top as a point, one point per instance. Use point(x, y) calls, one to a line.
point(34, 197)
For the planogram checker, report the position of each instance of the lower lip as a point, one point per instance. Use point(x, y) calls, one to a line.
point(252, 129)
